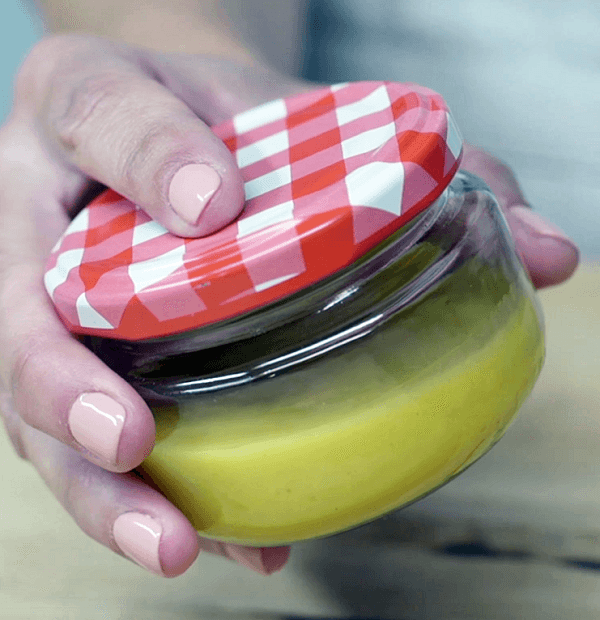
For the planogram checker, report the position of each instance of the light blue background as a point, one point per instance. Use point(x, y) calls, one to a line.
point(20, 28)
point(522, 79)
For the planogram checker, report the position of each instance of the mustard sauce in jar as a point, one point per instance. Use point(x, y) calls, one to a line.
point(325, 397)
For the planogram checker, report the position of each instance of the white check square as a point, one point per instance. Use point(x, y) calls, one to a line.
point(368, 140)
point(268, 182)
point(260, 116)
point(377, 101)
point(259, 221)
point(262, 149)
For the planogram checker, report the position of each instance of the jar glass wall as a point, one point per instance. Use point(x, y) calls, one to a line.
point(354, 397)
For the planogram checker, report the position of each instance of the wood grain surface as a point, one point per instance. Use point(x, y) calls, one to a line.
point(508, 538)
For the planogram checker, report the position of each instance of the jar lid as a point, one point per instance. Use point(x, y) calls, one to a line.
point(328, 175)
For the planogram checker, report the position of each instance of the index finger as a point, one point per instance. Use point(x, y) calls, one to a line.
point(119, 126)
point(547, 252)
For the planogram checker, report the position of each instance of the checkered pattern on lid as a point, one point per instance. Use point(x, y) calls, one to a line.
point(328, 175)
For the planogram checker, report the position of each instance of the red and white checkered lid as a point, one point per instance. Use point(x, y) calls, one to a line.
point(328, 175)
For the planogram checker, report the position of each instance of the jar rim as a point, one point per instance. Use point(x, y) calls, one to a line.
point(328, 175)
point(347, 306)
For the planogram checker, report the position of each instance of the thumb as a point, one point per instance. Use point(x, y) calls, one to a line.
point(121, 127)
point(549, 255)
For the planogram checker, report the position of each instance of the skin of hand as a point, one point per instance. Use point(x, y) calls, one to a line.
point(89, 110)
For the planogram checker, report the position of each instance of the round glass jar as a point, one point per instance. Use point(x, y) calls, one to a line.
point(350, 399)
point(307, 404)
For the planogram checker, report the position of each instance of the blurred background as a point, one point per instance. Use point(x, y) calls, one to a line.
point(522, 77)
point(20, 28)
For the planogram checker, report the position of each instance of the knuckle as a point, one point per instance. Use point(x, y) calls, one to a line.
point(46, 57)
point(55, 46)
point(29, 361)
point(25, 358)
point(108, 119)
point(87, 106)
point(81, 486)
point(100, 107)
point(475, 155)
point(144, 150)
point(12, 424)
point(75, 488)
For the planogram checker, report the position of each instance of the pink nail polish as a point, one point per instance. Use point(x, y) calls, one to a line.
point(265, 561)
point(191, 189)
point(250, 557)
point(275, 558)
point(138, 537)
point(96, 422)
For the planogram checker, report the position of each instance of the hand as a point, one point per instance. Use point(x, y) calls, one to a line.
point(547, 253)
point(88, 110)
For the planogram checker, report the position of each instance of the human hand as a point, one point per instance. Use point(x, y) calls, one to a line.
point(548, 254)
point(89, 110)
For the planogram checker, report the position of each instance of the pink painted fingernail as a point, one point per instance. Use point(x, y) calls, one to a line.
point(275, 558)
point(537, 225)
point(138, 537)
point(191, 189)
point(96, 422)
point(257, 559)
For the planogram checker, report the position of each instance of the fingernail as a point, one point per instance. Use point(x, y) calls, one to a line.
point(537, 226)
point(191, 189)
point(275, 558)
point(96, 422)
point(138, 537)
point(255, 558)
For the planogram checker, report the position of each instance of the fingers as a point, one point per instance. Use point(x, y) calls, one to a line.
point(54, 382)
point(59, 387)
point(548, 254)
point(117, 510)
point(124, 514)
point(12, 422)
point(262, 560)
point(110, 119)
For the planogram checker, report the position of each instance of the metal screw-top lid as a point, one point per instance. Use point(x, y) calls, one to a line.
point(328, 175)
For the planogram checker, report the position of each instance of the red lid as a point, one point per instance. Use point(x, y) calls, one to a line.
point(328, 175)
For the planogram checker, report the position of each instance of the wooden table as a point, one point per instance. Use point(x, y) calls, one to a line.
point(528, 514)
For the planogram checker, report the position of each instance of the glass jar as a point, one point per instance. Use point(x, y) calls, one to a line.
point(353, 396)
point(351, 399)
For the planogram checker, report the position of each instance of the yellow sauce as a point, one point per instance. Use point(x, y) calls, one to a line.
point(357, 434)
